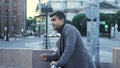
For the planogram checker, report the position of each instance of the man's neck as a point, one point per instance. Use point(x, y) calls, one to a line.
point(61, 28)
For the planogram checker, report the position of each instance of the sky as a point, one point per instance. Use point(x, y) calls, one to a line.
point(31, 7)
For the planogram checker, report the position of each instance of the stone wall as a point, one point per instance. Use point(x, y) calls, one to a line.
point(116, 58)
point(29, 58)
point(15, 58)
point(22, 58)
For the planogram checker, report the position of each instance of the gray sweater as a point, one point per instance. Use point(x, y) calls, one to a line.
point(71, 52)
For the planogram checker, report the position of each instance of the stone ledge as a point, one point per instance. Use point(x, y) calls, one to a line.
point(116, 58)
point(28, 58)
point(22, 58)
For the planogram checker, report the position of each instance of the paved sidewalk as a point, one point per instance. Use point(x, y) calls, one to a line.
point(13, 38)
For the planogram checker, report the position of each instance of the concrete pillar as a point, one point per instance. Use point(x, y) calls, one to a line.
point(22, 58)
point(116, 58)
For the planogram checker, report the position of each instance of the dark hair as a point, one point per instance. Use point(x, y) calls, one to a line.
point(59, 14)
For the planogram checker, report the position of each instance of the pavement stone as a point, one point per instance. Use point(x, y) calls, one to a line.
point(2, 66)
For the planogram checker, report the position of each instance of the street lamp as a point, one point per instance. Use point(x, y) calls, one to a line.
point(44, 7)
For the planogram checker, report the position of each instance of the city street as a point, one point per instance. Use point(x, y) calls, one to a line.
point(106, 45)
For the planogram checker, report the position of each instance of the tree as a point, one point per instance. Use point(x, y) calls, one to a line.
point(31, 22)
point(107, 18)
point(68, 22)
point(80, 22)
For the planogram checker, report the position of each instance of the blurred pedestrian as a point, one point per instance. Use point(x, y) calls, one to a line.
point(71, 52)
point(15, 36)
point(2, 36)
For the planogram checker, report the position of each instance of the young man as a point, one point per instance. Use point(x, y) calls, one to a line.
point(71, 52)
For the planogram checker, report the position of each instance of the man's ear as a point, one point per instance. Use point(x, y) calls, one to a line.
point(62, 20)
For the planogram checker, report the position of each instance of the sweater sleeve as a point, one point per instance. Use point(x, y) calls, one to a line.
point(52, 57)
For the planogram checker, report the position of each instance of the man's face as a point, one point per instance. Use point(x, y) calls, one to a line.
point(56, 22)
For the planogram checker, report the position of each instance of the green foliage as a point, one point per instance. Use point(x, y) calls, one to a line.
point(107, 18)
point(30, 22)
point(80, 22)
point(68, 22)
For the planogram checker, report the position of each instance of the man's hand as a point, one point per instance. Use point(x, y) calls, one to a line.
point(43, 57)
point(53, 62)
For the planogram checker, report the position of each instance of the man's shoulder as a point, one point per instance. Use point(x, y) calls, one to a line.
point(70, 27)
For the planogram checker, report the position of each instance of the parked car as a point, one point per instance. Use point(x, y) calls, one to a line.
point(54, 35)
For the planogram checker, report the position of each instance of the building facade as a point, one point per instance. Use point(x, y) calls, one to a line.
point(70, 7)
point(12, 16)
point(74, 7)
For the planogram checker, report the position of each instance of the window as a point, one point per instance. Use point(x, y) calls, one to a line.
point(6, 2)
point(14, 18)
point(14, 3)
point(0, 3)
point(14, 13)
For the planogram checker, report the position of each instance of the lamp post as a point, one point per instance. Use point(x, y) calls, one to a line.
point(7, 25)
point(44, 7)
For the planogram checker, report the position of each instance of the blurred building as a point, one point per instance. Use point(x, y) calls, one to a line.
point(70, 7)
point(117, 2)
point(13, 14)
point(109, 7)
point(73, 7)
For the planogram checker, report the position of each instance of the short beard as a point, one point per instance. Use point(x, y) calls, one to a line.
point(57, 30)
